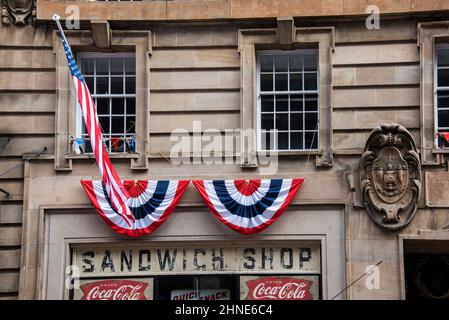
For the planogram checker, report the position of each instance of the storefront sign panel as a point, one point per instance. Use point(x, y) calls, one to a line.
point(115, 289)
point(119, 261)
point(279, 288)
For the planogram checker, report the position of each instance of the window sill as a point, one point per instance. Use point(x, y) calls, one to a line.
point(291, 153)
point(440, 150)
point(112, 156)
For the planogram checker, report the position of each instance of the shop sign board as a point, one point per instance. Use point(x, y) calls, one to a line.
point(138, 261)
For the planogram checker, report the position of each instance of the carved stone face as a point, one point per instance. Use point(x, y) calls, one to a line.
point(390, 175)
point(20, 6)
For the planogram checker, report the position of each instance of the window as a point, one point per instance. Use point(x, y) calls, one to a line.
point(442, 94)
point(287, 100)
point(211, 287)
point(111, 79)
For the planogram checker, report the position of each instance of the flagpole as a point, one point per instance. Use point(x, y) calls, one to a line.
point(56, 19)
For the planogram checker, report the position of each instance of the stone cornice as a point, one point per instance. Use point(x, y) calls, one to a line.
point(197, 10)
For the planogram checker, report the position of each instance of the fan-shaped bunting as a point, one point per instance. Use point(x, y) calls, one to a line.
point(150, 202)
point(248, 206)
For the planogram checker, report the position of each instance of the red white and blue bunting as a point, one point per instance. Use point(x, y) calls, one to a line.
point(151, 203)
point(250, 206)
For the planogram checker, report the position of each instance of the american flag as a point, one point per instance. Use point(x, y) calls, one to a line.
point(113, 185)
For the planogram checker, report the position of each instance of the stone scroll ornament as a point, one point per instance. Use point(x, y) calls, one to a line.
point(132, 208)
point(18, 11)
point(390, 176)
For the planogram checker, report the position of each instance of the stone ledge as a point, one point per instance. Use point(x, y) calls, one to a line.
point(177, 10)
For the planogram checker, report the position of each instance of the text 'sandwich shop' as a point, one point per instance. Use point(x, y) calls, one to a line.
point(282, 271)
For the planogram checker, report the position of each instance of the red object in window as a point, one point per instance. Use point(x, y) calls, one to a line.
point(115, 144)
point(445, 135)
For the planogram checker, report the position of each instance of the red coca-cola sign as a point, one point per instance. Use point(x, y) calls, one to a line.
point(114, 290)
point(275, 288)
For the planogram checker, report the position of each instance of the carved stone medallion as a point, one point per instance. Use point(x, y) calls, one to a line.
point(18, 11)
point(390, 176)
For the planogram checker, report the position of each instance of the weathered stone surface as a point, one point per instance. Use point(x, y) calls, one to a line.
point(376, 97)
point(194, 58)
point(10, 213)
point(31, 124)
point(27, 59)
point(166, 123)
point(194, 101)
point(36, 80)
point(376, 53)
point(364, 119)
point(10, 236)
point(376, 76)
point(435, 182)
point(27, 102)
point(166, 80)
point(9, 259)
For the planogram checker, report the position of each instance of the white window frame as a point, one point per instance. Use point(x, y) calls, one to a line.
point(302, 92)
point(79, 116)
point(436, 88)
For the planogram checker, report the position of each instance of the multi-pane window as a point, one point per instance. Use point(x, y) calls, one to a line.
point(111, 79)
point(288, 111)
point(442, 94)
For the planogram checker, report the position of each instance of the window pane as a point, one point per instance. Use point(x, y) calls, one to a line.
point(90, 84)
point(87, 145)
point(295, 81)
point(443, 99)
point(267, 121)
point(311, 103)
point(281, 81)
point(102, 66)
point(311, 121)
point(281, 102)
point(311, 140)
point(267, 103)
point(131, 106)
point(310, 81)
point(130, 85)
point(296, 103)
point(266, 82)
point(295, 62)
point(116, 66)
point(102, 85)
point(102, 106)
point(118, 106)
point(443, 77)
point(296, 140)
point(282, 140)
point(443, 57)
point(296, 121)
point(443, 118)
point(310, 62)
point(281, 63)
point(130, 66)
point(130, 124)
point(282, 121)
point(104, 124)
point(266, 63)
point(267, 140)
point(87, 66)
point(118, 125)
point(116, 85)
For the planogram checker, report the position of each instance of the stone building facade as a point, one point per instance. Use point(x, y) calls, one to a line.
point(369, 197)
